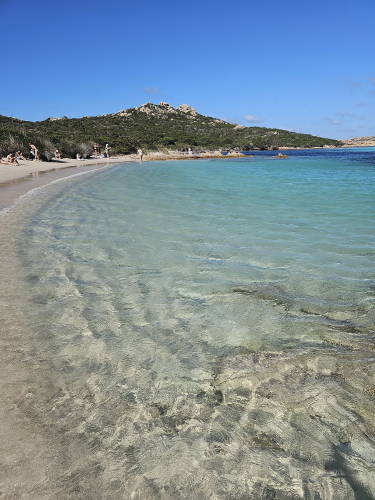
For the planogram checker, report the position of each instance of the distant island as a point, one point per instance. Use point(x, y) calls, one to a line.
point(359, 141)
point(152, 127)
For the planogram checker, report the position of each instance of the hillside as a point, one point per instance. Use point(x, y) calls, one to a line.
point(360, 141)
point(151, 127)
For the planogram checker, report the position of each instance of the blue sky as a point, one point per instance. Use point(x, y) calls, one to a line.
point(302, 65)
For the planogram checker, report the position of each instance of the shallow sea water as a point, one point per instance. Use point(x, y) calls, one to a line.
point(204, 329)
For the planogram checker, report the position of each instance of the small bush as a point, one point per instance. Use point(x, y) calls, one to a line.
point(10, 143)
point(46, 149)
point(85, 150)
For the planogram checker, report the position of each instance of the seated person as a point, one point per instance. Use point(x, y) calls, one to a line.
point(19, 156)
point(12, 160)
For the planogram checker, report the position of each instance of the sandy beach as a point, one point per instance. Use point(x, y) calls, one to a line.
point(16, 181)
point(10, 173)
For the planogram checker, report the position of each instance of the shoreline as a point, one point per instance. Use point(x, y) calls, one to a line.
point(14, 190)
point(28, 168)
point(14, 178)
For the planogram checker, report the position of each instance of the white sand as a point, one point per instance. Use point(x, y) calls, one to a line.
point(9, 173)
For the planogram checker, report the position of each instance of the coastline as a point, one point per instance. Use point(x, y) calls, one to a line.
point(14, 190)
point(15, 179)
point(27, 168)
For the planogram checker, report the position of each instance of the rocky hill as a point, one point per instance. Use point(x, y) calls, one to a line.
point(360, 141)
point(153, 127)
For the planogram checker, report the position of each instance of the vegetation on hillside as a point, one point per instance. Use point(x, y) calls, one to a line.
point(150, 127)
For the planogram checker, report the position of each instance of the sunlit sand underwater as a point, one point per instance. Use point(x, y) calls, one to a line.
point(205, 330)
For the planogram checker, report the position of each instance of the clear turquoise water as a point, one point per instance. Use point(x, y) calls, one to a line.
point(206, 328)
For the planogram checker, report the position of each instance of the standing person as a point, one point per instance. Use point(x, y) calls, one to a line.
point(106, 150)
point(34, 152)
point(140, 154)
point(57, 155)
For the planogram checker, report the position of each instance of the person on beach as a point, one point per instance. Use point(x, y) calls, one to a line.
point(57, 155)
point(34, 152)
point(11, 159)
point(106, 150)
point(19, 156)
point(140, 154)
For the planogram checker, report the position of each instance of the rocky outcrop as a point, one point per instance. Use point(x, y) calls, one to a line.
point(185, 108)
point(165, 110)
point(161, 108)
point(55, 118)
point(360, 141)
